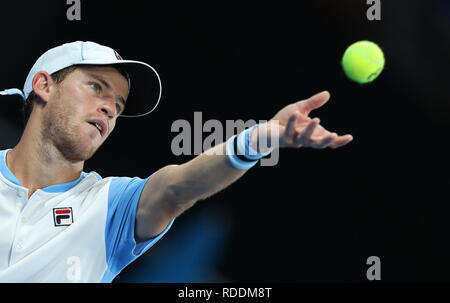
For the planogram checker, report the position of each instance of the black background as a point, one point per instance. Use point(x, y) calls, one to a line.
point(319, 214)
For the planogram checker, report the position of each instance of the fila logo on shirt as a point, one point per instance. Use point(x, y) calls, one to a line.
point(63, 216)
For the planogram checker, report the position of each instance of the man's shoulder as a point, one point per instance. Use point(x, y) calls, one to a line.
point(115, 183)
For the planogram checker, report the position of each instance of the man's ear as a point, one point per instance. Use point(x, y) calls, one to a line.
point(42, 83)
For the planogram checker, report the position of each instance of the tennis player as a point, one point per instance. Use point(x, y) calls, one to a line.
point(59, 223)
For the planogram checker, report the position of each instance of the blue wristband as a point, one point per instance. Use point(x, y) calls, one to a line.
point(235, 161)
point(244, 148)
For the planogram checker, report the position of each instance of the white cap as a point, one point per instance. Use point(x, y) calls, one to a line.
point(144, 93)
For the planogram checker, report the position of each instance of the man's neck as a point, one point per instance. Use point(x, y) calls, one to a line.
point(37, 165)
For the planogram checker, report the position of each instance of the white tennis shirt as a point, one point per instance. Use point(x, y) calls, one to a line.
point(82, 231)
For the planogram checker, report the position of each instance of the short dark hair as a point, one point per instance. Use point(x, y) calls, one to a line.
point(57, 77)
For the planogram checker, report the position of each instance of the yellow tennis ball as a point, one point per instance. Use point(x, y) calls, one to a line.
point(363, 61)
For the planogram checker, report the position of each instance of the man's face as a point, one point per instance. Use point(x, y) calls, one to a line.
point(82, 110)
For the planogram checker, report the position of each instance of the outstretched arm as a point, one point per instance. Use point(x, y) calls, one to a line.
point(175, 188)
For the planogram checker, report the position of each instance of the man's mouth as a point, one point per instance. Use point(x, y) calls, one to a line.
point(100, 125)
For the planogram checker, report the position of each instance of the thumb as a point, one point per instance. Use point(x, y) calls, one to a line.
point(314, 102)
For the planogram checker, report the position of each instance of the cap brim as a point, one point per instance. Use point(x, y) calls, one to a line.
point(145, 88)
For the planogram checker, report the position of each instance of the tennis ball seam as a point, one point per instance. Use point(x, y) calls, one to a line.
point(362, 52)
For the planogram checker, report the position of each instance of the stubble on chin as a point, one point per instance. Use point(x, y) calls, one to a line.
point(60, 135)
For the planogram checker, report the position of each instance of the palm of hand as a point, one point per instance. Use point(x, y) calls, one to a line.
point(296, 129)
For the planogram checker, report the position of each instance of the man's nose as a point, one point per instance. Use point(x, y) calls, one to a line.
point(108, 107)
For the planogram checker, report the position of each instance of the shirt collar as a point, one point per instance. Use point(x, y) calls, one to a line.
point(57, 188)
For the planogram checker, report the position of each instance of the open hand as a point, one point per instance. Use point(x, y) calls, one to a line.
point(297, 129)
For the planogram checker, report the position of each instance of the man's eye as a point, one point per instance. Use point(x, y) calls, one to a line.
point(95, 87)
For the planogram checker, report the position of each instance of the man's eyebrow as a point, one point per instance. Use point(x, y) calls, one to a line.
point(105, 83)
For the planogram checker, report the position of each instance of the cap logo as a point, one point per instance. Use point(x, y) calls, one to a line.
point(118, 56)
point(63, 216)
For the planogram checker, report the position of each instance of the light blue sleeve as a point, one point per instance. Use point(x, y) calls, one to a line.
point(121, 246)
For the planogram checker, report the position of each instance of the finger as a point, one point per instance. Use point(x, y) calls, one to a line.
point(325, 141)
point(290, 127)
point(305, 136)
point(314, 102)
point(341, 141)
